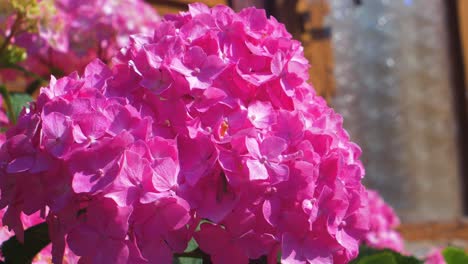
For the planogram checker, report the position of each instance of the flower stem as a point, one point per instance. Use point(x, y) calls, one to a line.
point(12, 33)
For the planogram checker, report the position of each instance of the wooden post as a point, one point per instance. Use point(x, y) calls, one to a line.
point(316, 39)
point(457, 25)
point(238, 5)
point(305, 20)
point(173, 6)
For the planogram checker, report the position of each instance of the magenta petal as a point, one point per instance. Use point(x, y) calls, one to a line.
point(194, 167)
point(57, 238)
point(261, 114)
point(112, 251)
point(212, 238)
point(194, 57)
point(178, 66)
point(271, 211)
point(253, 147)
point(211, 96)
point(281, 172)
point(20, 164)
point(150, 197)
point(165, 177)
point(347, 241)
point(257, 171)
point(272, 147)
point(83, 241)
point(289, 83)
point(289, 251)
point(157, 251)
point(212, 67)
point(78, 135)
point(96, 73)
point(54, 124)
point(93, 125)
point(124, 197)
point(157, 81)
point(176, 215)
point(57, 133)
point(277, 64)
point(83, 182)
point(256, 245)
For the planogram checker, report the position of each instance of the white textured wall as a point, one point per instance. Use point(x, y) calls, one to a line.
point(393, 89)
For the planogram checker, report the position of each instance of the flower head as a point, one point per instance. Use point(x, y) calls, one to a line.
point(66, 35)
point(211, 117)
point(383, 222)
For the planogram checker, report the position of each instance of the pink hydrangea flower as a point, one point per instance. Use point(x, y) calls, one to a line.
point(383, 221)
point(73, 33)
point(211, 117)
point(45, 256)
point(435, 257)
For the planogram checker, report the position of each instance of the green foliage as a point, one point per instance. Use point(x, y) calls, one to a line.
point(29, 13)
point(25, 6)
point(18, 102)
point(35, 239)
point(195, 256)
point(187, 260)
point(192, 254)
point(455, 256)
point(12, 55)
point(192, 245)
point(377, 256)
point(382, 258)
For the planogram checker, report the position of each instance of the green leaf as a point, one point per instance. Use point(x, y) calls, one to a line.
point(14, 102)
point(455, 256)
point(35, 239)
point(18, 101)
point(400, 259)
point(187, 260)
point(196, 256)
point(381, 258)
point(13, 55)
point(365, 252)
point(192, 245)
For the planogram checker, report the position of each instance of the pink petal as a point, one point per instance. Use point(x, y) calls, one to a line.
point(20, 164)
point(271, 211)
point(261, 114)
point(257, 170)
point(252, 147)
point(272, 147)
point(281, 172)
point(165, 177)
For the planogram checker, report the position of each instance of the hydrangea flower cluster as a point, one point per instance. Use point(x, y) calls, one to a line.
point(435, 256)
point(81, 31)
point(383, 221)
point(45, 256)
point(206, 129)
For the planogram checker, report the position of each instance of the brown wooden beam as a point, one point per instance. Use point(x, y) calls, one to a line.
point(174, 6)
point(457, 27)
point(435, 231)
point(184, 3)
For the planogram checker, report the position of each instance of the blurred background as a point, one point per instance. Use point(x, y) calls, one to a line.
point(395, 70)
